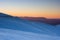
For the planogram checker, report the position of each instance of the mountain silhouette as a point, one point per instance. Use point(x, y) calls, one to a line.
point(5, 15)
point(43, 19)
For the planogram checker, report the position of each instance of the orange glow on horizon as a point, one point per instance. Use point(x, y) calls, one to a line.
point(34, 15)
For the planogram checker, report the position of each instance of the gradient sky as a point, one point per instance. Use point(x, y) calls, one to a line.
point(34, 8)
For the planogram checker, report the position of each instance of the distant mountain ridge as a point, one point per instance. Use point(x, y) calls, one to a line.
point(43, 19)
point(36, 19)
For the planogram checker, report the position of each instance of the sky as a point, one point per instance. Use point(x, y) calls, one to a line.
point(31, 8)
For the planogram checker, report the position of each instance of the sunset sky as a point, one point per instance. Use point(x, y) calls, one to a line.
point(31, 8)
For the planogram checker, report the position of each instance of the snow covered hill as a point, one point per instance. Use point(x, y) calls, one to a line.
point(20, 29)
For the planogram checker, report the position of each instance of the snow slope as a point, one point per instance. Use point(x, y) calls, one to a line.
point(19, 29)
point(58, 29)
point(8, 34)
point(25, 25)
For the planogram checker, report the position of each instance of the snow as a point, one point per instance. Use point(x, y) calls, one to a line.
point(8, 34)
point(13, 28)
point(57, 25)
point(58, 29)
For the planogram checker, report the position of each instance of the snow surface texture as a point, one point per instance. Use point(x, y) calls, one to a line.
point(13, 28)
point(8, 34)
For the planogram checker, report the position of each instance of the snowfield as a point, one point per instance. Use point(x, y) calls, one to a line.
point(8, 34)
point(13, 28)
